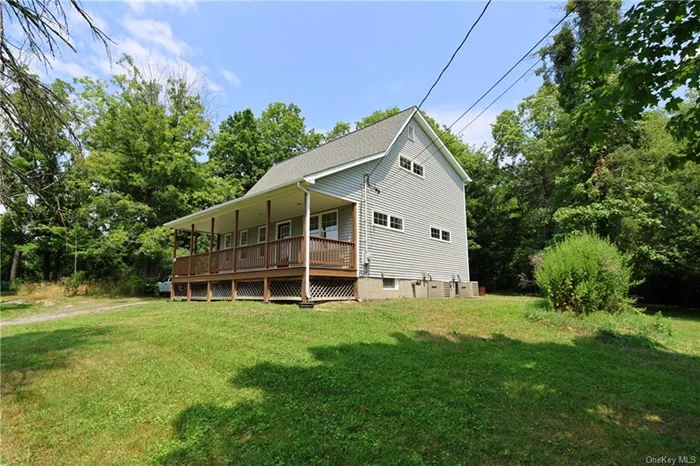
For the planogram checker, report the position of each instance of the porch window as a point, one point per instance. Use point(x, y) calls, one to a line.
point(324, 225)
point(227, 241)
point(243, 238)
point(262, 232)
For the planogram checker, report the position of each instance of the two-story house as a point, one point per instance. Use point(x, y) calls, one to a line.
point(376, 214)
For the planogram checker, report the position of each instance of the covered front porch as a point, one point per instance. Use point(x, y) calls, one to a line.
point(292, 244)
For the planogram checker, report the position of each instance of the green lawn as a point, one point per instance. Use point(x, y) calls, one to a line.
point(403, 382)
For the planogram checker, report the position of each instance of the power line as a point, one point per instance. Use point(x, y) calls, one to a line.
point(526, 55)
point(499, 96)
point(444, 69)
point(454, 54)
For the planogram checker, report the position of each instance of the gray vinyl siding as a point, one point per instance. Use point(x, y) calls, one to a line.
point(436, 200)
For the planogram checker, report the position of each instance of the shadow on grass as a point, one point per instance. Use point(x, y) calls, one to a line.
point(13, 307)
point(453, 399)
point(30, 352)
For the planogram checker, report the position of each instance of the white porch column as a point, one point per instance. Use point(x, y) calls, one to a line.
point(307, 243)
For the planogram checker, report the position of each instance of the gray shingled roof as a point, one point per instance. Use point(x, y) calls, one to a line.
point(364, 142)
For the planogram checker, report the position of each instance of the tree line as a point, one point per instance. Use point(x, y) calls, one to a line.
point(608, 144)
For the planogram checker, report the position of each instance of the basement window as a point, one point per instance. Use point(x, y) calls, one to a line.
point(390, 284)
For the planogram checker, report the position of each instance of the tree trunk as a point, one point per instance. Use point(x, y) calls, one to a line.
point(57, 266)
point(15, 265)
point(47, 265)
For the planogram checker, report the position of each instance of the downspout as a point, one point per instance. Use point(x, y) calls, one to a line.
point(307, 239)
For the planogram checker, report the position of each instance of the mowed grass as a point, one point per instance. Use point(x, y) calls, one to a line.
point(402, 382)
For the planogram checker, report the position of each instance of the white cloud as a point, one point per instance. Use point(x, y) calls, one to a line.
point(71, 69)
point(478, 132)
point(232, 78)
point(139, 6)
point(158, 33)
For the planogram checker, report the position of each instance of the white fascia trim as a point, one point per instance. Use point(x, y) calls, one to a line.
point(443, 148)
point(339, 168)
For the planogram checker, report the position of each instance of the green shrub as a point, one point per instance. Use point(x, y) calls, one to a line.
point(72, 283)
point(584, 274)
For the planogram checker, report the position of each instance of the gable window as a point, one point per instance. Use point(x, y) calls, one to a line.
point(388, 221)
point(243, 238)
point(411, 133)
point(418, 169)
point(440, 235)
point(411, 166)
point(324, 225)
point(390, 284)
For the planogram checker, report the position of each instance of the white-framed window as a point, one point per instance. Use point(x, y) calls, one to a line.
point(411, 166)
point(418, 169)
point(390, 283)
point(227, 241)
point(387, 221)
point(243, 238)
point(262, 232)
point(324, 225)
point(411, 133)
point(440, 234)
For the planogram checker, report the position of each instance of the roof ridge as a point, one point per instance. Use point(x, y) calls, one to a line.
point(341, 137)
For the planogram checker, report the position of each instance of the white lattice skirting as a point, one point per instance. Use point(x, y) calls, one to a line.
point(250, 290)
point(221, 290)
point(285, 290)
point(198, 290)
point(328, 289)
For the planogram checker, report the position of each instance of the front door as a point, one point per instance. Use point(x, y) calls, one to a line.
point(284, 230)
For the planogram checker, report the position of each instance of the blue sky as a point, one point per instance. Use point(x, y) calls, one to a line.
point(337, 61)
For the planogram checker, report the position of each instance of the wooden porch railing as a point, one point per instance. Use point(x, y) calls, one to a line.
point(331, 252)
point(250, 257)
point(285, 252)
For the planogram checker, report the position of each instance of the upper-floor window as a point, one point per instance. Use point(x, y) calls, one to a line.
point(442, 235)
point(411, 133)
point(325, 225)
point(227, 240)
point(243, 238)
point(412, 166)
point(388, 221)
point(262, 234)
